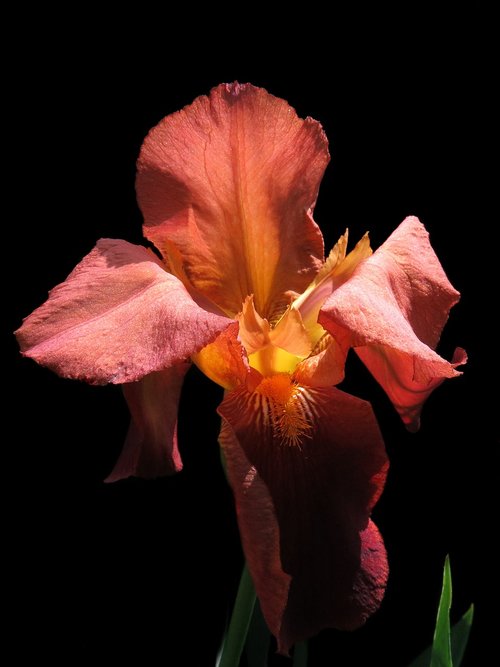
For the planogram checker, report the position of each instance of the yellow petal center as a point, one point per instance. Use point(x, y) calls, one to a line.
point(287, 411)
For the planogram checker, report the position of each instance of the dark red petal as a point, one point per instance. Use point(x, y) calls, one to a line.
point(392, 310)
point(150, 449)
point(307, 507)
point(117, 317)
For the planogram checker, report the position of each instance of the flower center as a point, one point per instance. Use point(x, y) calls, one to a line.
point(287, 408)
point(272, 359)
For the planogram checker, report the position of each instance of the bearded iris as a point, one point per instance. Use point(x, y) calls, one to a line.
point(227, 188)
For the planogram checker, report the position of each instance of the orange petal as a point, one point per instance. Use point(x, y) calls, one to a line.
point(290, 334)
point(225, 361)
point(254, 330)
point(230, 182)
point(273, 350)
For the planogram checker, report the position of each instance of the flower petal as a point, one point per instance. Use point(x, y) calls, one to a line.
point(230, 182)
point(307, 508)
point(290, 334)
point(325, 368)
point(393, 310)
point(118, 317)
point(396, 373)
point(225, 361)
point(259, 531)
point(150, 448)
point(336, 269)
point(253, 329)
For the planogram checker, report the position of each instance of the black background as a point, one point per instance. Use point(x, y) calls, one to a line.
point(145, 571)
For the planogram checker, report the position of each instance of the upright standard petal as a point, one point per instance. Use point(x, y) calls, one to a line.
point(392, 310)
point(118, 317)
point(150, 449)
point(316, 558)
point(227, 187)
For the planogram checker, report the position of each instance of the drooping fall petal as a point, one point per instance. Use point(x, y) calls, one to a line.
point(150, 449)
point(227, 187)
point(118, 317)
point(303, 510)
point(392, 310)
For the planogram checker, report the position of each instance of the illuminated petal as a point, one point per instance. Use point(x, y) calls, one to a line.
point(254, 330)
point(118, 317)
point(324, 369)
point(392, 310)
point(336, 270)
point(290, 334)
point(256, 333)
point(230, 182)
point(225, 361)
point(150, 449)
point(307, 508)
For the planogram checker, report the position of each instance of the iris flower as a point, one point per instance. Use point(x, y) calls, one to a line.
point(240, 287)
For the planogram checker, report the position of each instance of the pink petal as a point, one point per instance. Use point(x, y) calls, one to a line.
point(150, 449)
point(118, 317)
point(227, 185)
point(315, 557)
point(392, 310)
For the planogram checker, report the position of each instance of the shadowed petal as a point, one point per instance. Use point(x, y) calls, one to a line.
point(118, 317)
point(396, 374)
point(392, 310)
point(228, 185)
point(150, 449)
point(307, 508)
point(259, 530)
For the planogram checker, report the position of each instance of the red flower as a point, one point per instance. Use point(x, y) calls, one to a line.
point(227, 187)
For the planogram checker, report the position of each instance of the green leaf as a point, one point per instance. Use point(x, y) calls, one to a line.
point(258, 639)
point(448, 647)
point(234, 639)
point(460, 636)
point(441, 646)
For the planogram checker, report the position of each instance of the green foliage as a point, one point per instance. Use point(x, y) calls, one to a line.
point(449, 644)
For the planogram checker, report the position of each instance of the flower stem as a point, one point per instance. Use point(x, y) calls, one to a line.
point(240, 622)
